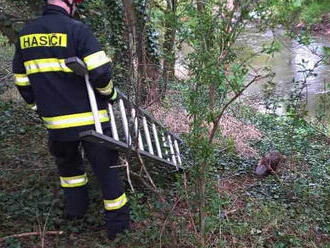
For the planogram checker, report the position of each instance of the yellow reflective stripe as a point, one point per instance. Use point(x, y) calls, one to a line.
point(107, 90)
point(74, 120)
point(22, 80)
point(46, 65)
point(96, 60)
point(71, 182)
point(44, 40)
point(116, 203)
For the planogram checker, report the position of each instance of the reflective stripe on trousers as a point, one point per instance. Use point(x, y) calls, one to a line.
point(115, 203)
point(76, 181)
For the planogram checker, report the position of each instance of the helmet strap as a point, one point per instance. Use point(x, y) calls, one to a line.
point(70, 5)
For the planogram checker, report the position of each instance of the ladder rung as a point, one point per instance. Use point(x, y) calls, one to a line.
point(177, 151)
point(124, 122)
point(136, 129)
point(147, 134)
point(113, 123)
point(171, 149)
point(166, 146)
point(154, 130)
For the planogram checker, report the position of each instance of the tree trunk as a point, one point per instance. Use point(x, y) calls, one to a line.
point(130, 21)
point(202, 199)
point(169, 44)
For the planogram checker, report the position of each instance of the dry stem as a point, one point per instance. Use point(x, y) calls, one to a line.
point(31, 234)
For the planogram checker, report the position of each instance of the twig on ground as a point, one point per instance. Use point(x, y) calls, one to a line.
point(31, 234)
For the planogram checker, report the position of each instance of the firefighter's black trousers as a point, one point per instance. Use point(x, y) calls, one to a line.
point(70, 166)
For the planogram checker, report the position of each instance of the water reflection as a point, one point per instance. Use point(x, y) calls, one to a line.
point(292, 62)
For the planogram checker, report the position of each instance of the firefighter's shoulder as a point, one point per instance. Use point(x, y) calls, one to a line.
point(29, 26)
point(81, 30)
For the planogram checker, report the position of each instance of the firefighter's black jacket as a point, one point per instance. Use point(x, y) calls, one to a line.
point(44, 81)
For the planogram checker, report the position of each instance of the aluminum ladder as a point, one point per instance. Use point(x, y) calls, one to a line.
point(139, 132)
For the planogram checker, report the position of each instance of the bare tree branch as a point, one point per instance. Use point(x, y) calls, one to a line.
point(217, 119)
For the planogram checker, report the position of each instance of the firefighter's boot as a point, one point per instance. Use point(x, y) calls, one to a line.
point(75, 202)
point(117, 221)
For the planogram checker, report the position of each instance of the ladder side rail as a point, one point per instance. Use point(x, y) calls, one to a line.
point(93, 136)
point(93, 105)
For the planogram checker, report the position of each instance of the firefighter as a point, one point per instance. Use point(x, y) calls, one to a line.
point(60, 98)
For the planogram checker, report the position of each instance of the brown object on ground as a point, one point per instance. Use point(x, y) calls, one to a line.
point(269, 163)
point(323, 27)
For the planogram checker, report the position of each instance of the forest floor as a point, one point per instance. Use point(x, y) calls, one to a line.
point(287, 209)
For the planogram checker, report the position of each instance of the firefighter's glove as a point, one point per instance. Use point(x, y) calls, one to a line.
point(114, 97)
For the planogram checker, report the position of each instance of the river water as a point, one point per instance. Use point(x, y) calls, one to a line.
point(286, 64)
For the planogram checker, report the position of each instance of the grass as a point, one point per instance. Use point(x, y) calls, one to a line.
point(313, 11)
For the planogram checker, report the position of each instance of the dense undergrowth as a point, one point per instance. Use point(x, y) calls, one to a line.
point(289, 209)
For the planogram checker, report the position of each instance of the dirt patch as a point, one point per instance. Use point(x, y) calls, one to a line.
point(176, 120)
point(230, 186)
point(241, 133)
